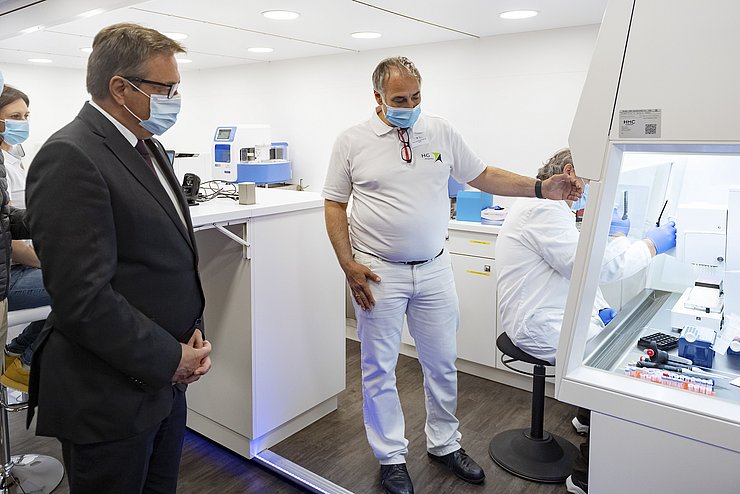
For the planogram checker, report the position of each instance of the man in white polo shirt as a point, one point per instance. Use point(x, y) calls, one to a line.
point(396, 166)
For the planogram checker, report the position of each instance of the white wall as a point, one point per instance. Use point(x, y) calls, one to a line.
point(512, 97)
point(56, 97)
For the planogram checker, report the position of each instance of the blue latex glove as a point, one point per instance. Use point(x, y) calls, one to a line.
point(607, 314)
point(663, 237)
point(619, 225)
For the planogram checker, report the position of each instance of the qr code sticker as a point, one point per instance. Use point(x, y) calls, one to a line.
point(651, 129)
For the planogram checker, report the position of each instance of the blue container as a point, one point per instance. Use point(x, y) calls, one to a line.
point(696, 344)
point(453, 187)
point(470, 203)
point(264, 173)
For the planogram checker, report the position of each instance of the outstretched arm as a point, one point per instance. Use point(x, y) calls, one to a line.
point(497, 181)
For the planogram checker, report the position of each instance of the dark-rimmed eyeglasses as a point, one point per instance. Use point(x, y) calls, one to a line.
point(171, 88)
point(403, 136)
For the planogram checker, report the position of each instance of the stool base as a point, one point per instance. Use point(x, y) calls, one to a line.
point(32, 474)
point(547, 460)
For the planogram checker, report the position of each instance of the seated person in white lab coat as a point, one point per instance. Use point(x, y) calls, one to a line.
point(535, 253)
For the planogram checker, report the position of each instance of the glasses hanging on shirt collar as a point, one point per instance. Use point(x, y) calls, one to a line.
point(403, 136)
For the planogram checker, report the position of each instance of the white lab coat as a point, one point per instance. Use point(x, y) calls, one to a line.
point(535, 252)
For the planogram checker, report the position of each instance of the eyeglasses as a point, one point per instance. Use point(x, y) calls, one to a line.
point(403, 136)
point(172, 88)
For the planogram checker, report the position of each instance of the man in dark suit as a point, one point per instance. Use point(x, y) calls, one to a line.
point(116, 244)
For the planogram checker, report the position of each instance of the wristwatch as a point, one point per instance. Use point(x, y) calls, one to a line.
point(538, 189)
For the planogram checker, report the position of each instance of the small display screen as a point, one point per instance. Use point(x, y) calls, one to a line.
point(223, 134)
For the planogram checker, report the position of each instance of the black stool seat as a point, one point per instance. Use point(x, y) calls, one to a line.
point(504, 343)
point(533, 453)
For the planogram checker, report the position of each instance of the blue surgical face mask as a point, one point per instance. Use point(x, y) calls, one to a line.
point(580, 203)
point(162, 112)
point(16, 131)
point(403, 118)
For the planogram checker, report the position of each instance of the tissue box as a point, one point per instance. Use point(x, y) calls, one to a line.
point(470, 203)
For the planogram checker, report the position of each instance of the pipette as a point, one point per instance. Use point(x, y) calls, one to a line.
point(657, 223)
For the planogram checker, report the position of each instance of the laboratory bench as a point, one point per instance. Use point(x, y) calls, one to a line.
point(271, 283)
point(616, 347)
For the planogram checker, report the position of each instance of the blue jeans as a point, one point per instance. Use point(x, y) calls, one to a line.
point(26, 292)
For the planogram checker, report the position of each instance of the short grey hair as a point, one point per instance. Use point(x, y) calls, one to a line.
point(555, 165)
point(123, 49)
point(383, 71)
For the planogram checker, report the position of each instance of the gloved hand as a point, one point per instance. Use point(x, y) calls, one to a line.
point(663, 237)
point(619, 225)
point(607, 314)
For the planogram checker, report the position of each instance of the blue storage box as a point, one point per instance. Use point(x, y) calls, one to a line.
point(470, 203)
point(695, 344)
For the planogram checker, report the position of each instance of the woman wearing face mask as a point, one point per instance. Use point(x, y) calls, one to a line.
point(26, 288)
point(12, 224)
point(14, 128)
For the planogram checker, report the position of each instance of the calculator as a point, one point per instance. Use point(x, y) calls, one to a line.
point(664, 341)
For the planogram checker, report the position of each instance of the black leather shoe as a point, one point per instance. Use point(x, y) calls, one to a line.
point(462, 465)
point(395, 479)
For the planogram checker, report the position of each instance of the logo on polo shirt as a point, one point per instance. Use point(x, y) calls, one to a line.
point(435, 157)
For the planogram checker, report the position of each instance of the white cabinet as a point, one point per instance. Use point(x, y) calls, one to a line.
point(476, 288)
point(472, 250)
point(278, 341)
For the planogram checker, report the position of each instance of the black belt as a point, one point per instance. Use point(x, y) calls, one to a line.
point(409, 263)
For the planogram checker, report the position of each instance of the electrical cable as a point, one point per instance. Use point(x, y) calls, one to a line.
point(217, 188)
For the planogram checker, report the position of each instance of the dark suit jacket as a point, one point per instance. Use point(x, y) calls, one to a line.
point(122, 272)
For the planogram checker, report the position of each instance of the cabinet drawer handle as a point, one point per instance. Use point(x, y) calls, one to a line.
point(482, 242)
point(482, 273)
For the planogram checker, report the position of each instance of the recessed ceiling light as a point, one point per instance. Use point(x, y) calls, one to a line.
point(366, 35)
point(518, 14)
point(176, 36)
point(281, 15)
point(86, 49)
point(91, 13)
point(32, 29)
point(183, 60)
point(39, 60)
point(260, 50)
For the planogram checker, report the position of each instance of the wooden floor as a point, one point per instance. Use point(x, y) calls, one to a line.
point(335, 447)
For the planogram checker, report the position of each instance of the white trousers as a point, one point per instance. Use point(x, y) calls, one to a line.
point(425, 294)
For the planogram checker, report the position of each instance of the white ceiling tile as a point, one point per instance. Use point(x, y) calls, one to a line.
point(220, 36)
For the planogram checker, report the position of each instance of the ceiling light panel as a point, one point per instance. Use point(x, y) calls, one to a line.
point(518, 14)
point(281, 15)
point(366, 35)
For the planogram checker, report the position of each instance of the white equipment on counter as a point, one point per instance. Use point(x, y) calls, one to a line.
point(245, 153)
point(701, 241)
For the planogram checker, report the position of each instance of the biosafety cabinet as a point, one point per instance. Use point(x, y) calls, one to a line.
point(657, 131)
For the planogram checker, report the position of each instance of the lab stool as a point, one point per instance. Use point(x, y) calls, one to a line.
point(533, 454)
point(28, 473)
point(27, 316)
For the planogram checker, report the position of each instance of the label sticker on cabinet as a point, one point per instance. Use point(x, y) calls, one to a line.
point(639, 124)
